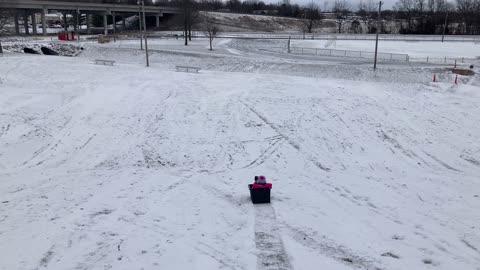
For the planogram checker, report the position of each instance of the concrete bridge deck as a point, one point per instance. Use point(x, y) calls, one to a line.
point(32, 7)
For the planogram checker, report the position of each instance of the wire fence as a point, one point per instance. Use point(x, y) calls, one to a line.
point(380, 56)
point(440, 60)
point(349, 54)
point(393, 37)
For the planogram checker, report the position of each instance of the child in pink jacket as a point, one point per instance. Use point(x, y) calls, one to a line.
point(261, 182)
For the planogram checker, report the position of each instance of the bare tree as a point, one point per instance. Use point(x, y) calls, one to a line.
point(431, 5)
point(407, 9)
point(186, 13)
point(368, 6)
point(5, 16)
point(367, 14)
point(467, 9)
point(341, 8)
point(211, 30)
point(193, 19)
point(442, 5)
point(311, 17)
point(186, 6)
point(420, 8)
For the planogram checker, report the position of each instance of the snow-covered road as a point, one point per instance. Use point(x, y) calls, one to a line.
point(131, 168)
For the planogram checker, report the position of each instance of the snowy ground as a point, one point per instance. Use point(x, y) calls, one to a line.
point(126, 167)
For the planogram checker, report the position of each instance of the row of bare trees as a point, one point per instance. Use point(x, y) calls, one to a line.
point(411, 16)
point(310, 14)
point(192, 19)
point(429, 16)
point(5, 16)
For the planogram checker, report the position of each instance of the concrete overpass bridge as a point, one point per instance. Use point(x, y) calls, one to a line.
point(29, 8)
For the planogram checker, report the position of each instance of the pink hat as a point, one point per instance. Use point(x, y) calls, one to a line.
point(261, 177)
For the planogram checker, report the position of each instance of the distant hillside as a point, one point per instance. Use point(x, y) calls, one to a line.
point(234, 22)
point(243, 22)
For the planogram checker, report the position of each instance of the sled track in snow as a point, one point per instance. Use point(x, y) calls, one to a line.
point(329, 248)
point(271, 254)
point(265, 154)
point(288, 139)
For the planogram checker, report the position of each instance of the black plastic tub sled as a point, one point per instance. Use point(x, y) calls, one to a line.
point(259, 195)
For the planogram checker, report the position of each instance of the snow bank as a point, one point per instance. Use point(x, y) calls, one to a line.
point(62, 49)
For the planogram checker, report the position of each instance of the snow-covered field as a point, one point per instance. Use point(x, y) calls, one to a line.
point(412, 48)
point(128, 167)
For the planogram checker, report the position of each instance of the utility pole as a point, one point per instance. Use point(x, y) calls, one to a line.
point(145, 32)
point(140, 24)
point(185, 22)
point(376, 39)
point(114, 25)
point(77, 21)
point(445, 26)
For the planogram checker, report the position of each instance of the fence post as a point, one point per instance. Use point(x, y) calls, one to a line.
point(302, 50)
point(462, 59)
point(445, 59)
point(289, 50)
point(391, 56)
point(345, 52)
point(427, 59)
point(316, 51)
point(330, 52)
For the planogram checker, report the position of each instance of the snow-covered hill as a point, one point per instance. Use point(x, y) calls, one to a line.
point(262, 23)
point(128, 167)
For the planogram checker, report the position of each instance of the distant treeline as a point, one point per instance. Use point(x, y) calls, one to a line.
point(127, 2)
point(412, 16)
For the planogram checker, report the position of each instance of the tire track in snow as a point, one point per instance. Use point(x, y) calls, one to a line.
point(329, 248)
point(38, 152)
point(46, 258)
point(89, 139)
point(442, 163)
point(288, 139)
point(4, 130)
point(52, 145)
point(271, 254)
point(408, 153)
point(218, 255)
point(265, 154)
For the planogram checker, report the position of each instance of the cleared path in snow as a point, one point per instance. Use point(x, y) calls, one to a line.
point(271, 253)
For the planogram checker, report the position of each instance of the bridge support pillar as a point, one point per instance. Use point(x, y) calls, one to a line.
point(88, 24)
point(25, 22)
point(114, 19)
point(17, 26)
point(75, 22)
point(105, 24)
point(34, 23)
point(65, 22)
point(44, 22)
